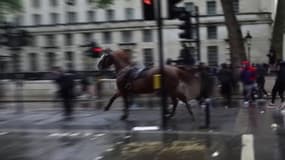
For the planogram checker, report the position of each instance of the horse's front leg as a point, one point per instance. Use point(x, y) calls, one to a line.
point(113, 98)
point(126, 108)
point(174, 103)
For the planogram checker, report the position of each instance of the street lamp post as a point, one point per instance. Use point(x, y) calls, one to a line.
point(248, 39)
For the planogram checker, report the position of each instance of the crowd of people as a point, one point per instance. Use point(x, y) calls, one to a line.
point(252, 78)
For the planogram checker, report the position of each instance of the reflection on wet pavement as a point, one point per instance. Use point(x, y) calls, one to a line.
point(119, 146)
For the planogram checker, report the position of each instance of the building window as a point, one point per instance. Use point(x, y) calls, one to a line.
point(69, 59)
point(190, 7)
point(147, 36)
point(107, 37)
point(212, 32)
point(236, 6)
point(68, 39)
point(18, 20)
point(53, 3)
point(87, 37)
point(91, 16)
point(33, 62)
point(211, 8)
point(110, 15)
point(33, 41)
point(37, 19)
point(148, 57)
point(51, 60)
point(50, 40)
point(36, 3)
point(127, 36)
point(54, 18)
point(16, 59)
point(71, 17)
point(212, 55)
point(3, 66)
point(71, 2)
point(129, 13)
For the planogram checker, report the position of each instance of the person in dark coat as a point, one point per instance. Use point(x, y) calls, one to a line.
point(84, 84)
point(65, 82)
point(207, 82)
point(271, 59)
point(279, 85)
point(185, 57)
point(226, 80)
point(260, 79)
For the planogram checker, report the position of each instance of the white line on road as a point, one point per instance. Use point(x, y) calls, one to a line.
point(247, 152)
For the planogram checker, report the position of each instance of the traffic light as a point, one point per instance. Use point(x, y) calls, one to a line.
point(148, 9)
point(94, 50)
point(183, 15)
point(186, 25)
point(172, 9)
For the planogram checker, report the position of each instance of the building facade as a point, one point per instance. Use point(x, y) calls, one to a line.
point(59, 29)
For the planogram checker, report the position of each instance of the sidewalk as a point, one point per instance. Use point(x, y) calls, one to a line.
point(268, 86)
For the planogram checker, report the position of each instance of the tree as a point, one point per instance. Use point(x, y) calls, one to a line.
point(278, 29)
point(237, 48)
point(9, 6)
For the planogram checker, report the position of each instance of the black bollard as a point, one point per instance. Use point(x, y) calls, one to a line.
point(207, 118)
point(207, 115)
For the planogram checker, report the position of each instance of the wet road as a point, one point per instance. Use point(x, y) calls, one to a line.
point(118, 146)
point(241, 133)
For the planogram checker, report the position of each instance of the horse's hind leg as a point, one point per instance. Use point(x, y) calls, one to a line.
point(174, 102)
point(183, 98)
point(113, 98)
point(126, 108)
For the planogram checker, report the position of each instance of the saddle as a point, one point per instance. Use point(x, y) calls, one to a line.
point(133, 74)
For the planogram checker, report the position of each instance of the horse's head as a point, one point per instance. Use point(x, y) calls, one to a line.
point(105, 61)
point(119, 58)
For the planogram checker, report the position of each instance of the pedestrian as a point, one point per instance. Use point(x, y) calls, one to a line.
point(279, 85)
point(226, 80)
point(260, 79)
point(248, 78)
point(207, 82)
point(84, 85)
point(185, 56)
point(66, 86)
point(271, 59)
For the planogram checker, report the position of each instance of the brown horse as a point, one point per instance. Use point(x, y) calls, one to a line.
point(143, 85)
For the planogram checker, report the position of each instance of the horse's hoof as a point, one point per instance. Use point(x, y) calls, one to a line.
point(124, 117)
point(169, 116)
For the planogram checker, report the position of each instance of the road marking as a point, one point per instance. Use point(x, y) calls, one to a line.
point(247, 152)
point(102, 131)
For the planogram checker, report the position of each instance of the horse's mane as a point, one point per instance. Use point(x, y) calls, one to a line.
point(124, 56)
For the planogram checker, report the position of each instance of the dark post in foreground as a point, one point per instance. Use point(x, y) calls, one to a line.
point(161, 65)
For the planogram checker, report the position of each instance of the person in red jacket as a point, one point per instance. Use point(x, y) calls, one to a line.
point(248, 78)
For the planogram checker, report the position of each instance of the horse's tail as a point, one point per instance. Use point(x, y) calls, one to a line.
point(189, 84)
point(183, 75)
